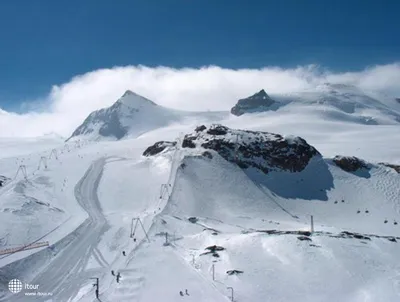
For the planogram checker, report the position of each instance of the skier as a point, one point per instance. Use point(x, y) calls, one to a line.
point(112, 273)
point(123, 253)
point(186, 292)
point(118, 277)
point(181, 293)
point(134, 239)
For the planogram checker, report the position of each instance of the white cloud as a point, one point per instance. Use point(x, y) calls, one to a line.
point(211, 88)
point(384, 78)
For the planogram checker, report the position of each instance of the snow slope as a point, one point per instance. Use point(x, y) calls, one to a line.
point(230, 209)
point(83, 203)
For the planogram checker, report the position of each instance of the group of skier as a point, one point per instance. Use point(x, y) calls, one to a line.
point(118, 276)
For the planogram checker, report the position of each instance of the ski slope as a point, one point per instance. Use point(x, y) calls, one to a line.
point(84, 201)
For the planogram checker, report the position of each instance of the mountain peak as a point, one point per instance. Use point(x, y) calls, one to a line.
point(128, 92)
point(261, 93)
point(130, 115)
point(132, 99)
point(259, 101)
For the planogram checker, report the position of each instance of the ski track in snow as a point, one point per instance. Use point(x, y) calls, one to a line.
point(65, 274)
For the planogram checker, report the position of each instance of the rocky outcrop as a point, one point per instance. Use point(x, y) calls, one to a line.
point(255, 103)
point(248, 149)
point(349, 163)
point(3, 180)
point(234, 272)
point(187, 143)
point(304, 238)
point(193, 219)
point(398, 100)
point(215, 248)
point(158, 147)
point(104, 121)
point(262, 150)
point(207, 154)
point(200, 128)
point(212, 250)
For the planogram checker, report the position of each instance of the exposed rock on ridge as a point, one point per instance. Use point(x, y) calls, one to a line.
point(255, 103)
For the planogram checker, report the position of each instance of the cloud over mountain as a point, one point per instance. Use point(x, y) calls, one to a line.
point(212, 88)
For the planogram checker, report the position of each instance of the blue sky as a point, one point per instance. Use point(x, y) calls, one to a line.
point(47, 42)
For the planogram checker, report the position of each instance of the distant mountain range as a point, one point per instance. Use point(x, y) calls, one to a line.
point(132, 114)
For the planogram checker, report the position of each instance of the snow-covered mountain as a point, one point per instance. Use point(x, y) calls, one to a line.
point(212, 204)
point(336, 102)
point(131, 115)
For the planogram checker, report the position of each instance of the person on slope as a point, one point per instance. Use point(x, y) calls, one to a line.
point(123, 253)
point(118, 277)
point(112, 273)
point(181, 293)
point(186, 292)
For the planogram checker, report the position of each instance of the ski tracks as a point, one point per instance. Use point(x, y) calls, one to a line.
point(66, 273)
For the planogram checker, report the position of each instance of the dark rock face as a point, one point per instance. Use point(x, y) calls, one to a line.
point(398, 100)
point(212, 250)
point(394, 167)
point(215, 248)
point(193, 219)
point(341, 235)
point(3, 180)
point(248, 149)
point(188, 143)
point(304, 238)
point(234, 272)
point(346, 234)
point(262, 150)
point(109, 121)
point(207, 154)
point(200, 128)
point(217, 130)
point(349, 163)
point(158, 147)
point(255, 103)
